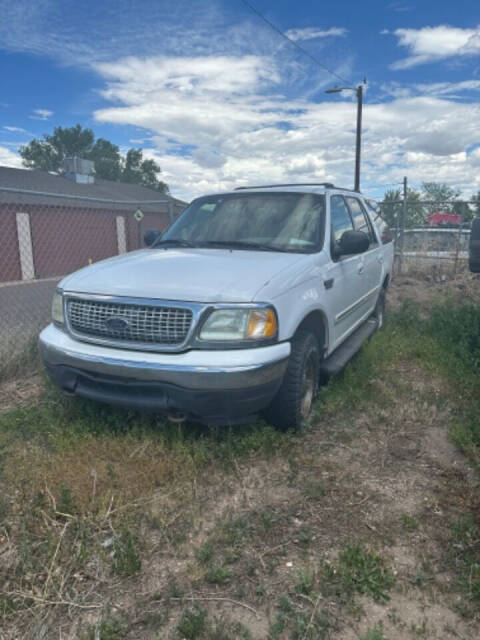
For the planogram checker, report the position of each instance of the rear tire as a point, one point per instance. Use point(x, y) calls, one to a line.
point(292, 405)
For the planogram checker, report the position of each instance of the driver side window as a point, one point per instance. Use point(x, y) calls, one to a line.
point(340, 220)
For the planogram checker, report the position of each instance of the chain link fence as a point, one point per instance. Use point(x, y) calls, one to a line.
point(45, 237)
point(431, 236)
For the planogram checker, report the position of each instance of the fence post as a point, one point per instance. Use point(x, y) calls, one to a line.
point(25, 246)
point(121, 235)
point(402, 224)
point(459, 237)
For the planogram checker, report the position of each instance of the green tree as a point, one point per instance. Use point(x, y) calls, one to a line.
point(49, 153)
point(392, 208)
point(443, 195)
point(139, 171)
point(446, 200)
point(108, 160)
point(476, 206)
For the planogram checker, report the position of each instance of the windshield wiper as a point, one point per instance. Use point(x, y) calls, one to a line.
point(241, 244)
point(175, 242)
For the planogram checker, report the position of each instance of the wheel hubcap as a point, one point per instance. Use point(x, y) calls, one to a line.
point(308, 386)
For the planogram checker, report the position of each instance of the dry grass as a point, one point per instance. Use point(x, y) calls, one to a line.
point(426, 289)
point(20, 391)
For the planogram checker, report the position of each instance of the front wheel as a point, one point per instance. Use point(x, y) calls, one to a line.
point(293, 402)
point(380, 310)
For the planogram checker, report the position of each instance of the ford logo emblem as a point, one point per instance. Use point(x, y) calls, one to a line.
point(116, 324)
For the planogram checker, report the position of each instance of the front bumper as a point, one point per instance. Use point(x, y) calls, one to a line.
point(214, 386)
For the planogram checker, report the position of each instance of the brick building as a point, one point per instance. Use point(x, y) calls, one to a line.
point(52, 224)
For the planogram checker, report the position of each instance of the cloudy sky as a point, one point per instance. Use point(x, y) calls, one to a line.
point(221, 100)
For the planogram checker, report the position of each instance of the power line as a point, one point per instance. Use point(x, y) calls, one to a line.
point(295, 44)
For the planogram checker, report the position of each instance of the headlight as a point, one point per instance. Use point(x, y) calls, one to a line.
point(57, 308)
point(240, 324)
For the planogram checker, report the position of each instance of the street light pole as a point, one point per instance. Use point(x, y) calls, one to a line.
point(358, 142)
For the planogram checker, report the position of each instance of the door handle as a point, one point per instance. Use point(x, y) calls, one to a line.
point(360, 268)
point(380, 259)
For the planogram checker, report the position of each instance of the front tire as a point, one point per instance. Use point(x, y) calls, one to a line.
point(292, 405)
point(379, 312)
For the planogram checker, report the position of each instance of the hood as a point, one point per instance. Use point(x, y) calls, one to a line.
point(193, 275)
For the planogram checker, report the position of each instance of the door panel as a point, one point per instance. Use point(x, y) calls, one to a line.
point(371, 259)
point(345, 296)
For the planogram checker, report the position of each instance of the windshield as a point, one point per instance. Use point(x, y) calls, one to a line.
point(274, 221)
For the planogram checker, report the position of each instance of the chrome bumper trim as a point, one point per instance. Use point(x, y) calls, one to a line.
point(199, 370)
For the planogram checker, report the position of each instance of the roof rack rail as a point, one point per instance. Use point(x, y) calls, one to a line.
point(328, 185)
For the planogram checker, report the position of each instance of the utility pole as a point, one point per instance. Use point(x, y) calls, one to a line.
point(358, 144)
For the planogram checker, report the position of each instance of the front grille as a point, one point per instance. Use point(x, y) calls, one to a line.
point(146, 324)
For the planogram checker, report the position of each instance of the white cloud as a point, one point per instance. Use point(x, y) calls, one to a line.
point(452, 89)
point(9, 158)
point(238, 128)
point(44, 28)
point(399, 7)
point(474, 157)
point(430, 44)
point(14, 129)
point(41, 114)
point(311, 33)
point(458, 90)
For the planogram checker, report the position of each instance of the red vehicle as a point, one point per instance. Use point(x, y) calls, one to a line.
point(440, 218)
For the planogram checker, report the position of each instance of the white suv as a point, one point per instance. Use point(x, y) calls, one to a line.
point(238, 308)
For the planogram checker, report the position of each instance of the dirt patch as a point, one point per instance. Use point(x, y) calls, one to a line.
point(20, 392)
point(407, 617)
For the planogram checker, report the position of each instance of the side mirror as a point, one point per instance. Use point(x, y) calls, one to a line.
point(353, 242)
point(151, 236)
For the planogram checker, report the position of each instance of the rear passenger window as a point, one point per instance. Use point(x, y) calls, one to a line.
point(360, 219)
point(341, 220)
point(383, 228)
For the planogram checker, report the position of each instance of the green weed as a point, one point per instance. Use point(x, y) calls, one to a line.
point(110, 628)
point(301, 624)
point(360, 571)
point(314, 490)
point(218, 575)
point(305, 582)
point(373, 634)
point(193, 623)
point(126, 560)
point(409, 523)
point(464, 559)
point(204, 553)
